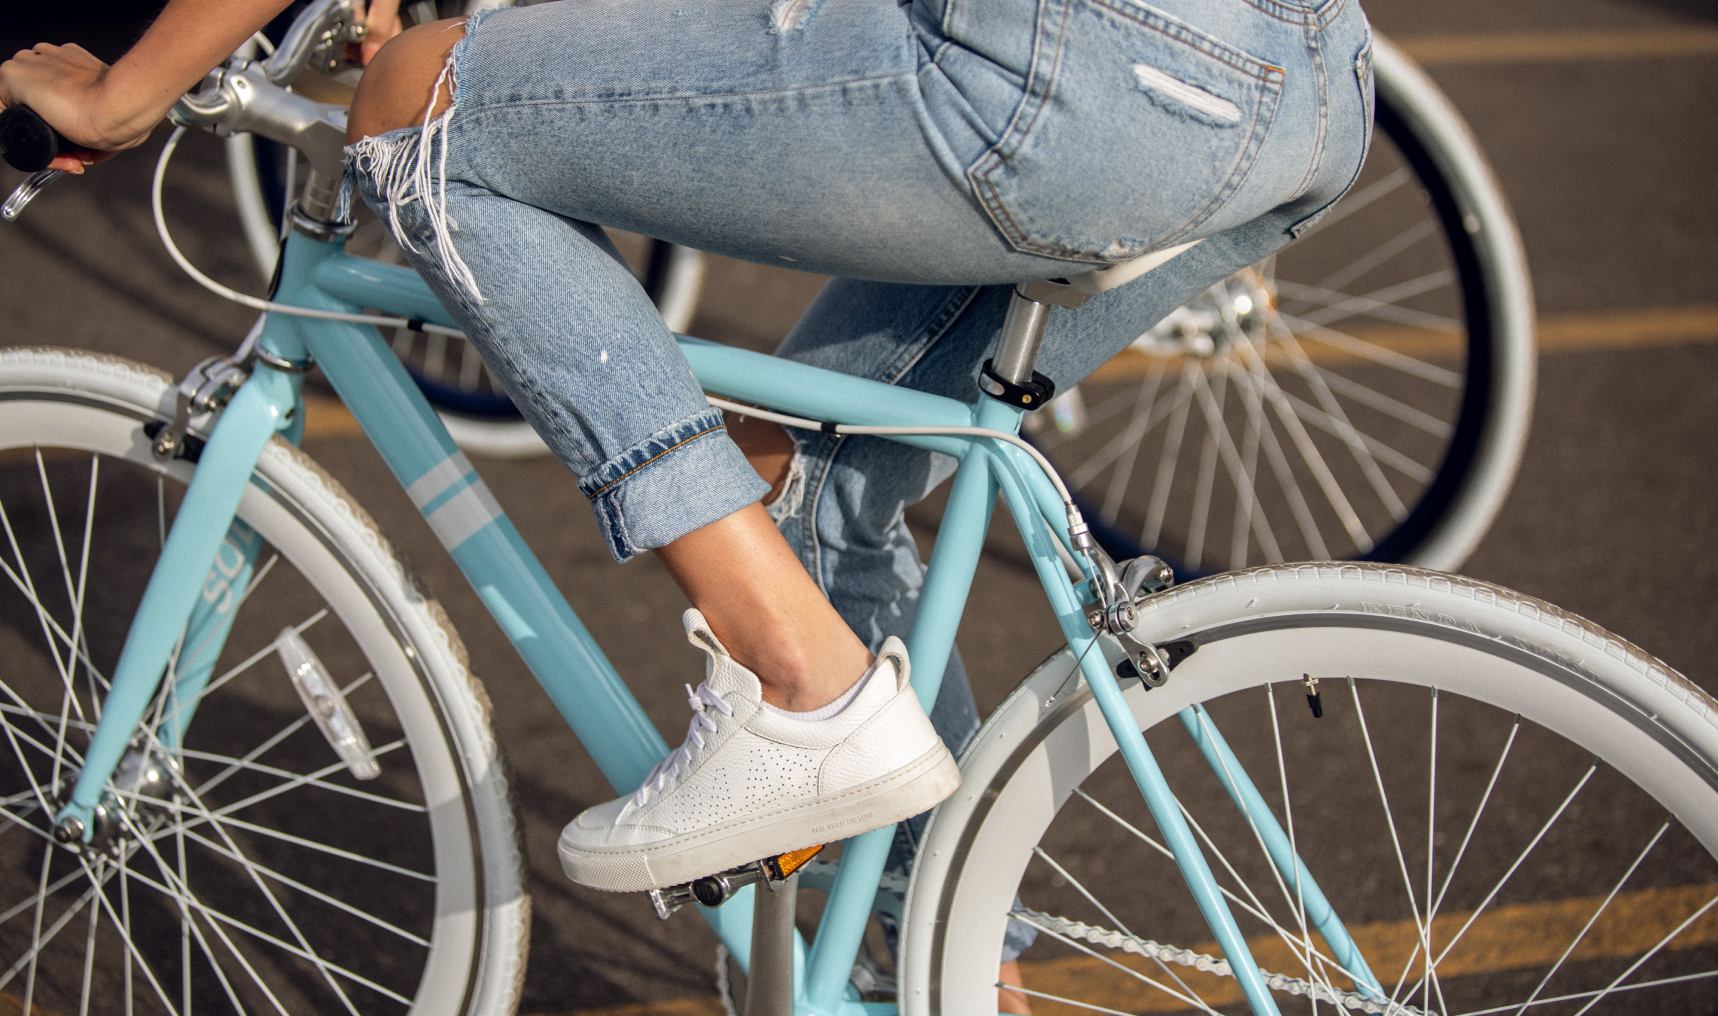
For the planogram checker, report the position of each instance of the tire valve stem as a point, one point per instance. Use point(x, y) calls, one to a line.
point(1313, 701)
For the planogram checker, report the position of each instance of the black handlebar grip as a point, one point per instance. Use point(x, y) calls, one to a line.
point(26, 140)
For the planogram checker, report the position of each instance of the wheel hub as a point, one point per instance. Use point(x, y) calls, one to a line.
point(144, 787)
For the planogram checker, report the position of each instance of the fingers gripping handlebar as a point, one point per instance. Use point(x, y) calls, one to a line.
point(26, 140)
point(241, 95)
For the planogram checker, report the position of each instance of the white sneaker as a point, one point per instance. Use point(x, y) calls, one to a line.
point(752, 781)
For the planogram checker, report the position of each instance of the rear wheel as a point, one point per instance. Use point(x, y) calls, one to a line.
point(1528, 796)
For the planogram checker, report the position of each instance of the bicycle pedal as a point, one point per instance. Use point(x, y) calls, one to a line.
point(715, 890)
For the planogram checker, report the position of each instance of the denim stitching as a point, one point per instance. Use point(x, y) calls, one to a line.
point(1269, 76)
point(1296, 229)
point(475, 107)
point(1015, 133)
point(1282, 10)
point(683, 442)
point(1321, 88)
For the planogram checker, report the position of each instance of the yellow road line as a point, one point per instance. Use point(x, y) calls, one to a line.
point(1557, 333)
point(1569, 46)
point(1511, 937)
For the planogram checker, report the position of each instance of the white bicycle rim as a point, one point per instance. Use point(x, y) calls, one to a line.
point(65, 399)
point(1270, 626)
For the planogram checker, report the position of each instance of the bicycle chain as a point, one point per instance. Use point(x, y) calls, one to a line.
point(1209, 964)
point(892, 882)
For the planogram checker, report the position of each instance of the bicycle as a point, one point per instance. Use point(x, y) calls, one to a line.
point(1365, 394)
point(160, 833)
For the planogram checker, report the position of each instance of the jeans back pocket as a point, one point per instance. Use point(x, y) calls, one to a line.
point(1135, 129)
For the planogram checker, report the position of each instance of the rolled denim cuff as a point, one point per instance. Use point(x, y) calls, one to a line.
point(681, 478)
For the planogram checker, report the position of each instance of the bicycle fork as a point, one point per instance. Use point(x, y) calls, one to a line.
point(192, 594)
point(1026, 493)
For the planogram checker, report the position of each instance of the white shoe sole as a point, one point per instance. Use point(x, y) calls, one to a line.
point(914, 788)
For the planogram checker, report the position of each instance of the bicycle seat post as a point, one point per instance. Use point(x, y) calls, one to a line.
point(1008, 375)
point(769, 982)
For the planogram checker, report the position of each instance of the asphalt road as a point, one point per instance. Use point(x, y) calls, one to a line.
point(1597, 117)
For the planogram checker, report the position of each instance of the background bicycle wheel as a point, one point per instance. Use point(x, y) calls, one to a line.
point(1583, 107)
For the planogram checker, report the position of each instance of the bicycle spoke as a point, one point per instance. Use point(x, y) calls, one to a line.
point(311, 891)
point(1365, 195)
point(70, 702)
point(1064, 1001)
point(1601, 992)
point(1229, 779)
point(244, 666)
point(302, 949)
point(1294, 844)
point(1253, 909)
point(315, 779)
point(1431, 828)
point(1390, 820)
point(1153, 531)
point(1129, 438)
point(273, 740)
point(1216, 430)
point(1247, 488)
point(323, 848)
point(1504, 880)
point(89, 961)
point(1135, 432)
point(1612, 895)
point(1357, 444)
point(1637, 964)
point(52, 890)
point(1392, 247)
point(1412, 366)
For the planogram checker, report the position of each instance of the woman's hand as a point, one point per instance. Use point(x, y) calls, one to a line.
point(65, 85)
point(381, 22)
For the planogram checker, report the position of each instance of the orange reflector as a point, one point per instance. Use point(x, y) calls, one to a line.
point(790, 862)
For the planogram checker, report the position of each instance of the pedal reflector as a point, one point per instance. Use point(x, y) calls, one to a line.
point(784, 865)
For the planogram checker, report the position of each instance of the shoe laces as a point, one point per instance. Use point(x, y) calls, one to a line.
point(704, 701)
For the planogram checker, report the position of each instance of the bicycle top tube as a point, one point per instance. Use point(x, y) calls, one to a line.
point(759, 378)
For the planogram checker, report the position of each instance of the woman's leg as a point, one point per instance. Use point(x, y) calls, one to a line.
point(833, 140)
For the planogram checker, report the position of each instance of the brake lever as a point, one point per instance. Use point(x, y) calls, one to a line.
point(26, 193)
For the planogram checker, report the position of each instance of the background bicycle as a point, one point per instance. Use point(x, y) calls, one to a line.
point(1610, 517)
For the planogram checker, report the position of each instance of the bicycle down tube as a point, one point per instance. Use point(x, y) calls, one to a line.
point(536, 617)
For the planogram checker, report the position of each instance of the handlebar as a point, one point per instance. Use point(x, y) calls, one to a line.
point(239, 96)
point(26, 140)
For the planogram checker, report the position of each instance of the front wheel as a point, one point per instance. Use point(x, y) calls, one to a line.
point(249, 856)
point(1510, 809)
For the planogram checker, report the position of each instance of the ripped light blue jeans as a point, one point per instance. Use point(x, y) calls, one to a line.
point(926, 152)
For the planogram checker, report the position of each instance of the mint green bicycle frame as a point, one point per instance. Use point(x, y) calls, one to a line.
point(555, 645)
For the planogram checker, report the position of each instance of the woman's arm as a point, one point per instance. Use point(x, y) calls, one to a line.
point(109, 109)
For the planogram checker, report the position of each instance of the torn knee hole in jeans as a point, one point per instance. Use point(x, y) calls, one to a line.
point(786, 499)
point(405, 168)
